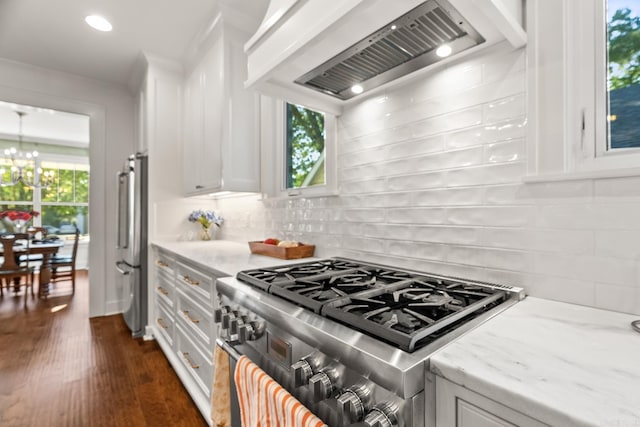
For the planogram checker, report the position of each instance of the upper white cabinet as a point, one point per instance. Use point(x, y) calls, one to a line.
point(328, 40)
point(221, 118)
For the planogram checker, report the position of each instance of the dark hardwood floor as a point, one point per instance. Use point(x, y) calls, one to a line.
point(60, 368)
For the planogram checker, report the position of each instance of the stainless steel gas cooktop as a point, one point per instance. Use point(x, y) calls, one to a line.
point(406, 309)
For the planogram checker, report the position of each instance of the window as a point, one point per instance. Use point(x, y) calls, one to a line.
point(62, 206)
point(623, 74)
point(305, 154)
point(305, 149)
point(584, 83)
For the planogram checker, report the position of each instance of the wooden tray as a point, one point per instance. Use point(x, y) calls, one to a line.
point(301, 251)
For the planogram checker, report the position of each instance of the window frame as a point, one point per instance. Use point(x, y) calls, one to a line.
point(280, 139)
point(37, 201)
point(568, 131)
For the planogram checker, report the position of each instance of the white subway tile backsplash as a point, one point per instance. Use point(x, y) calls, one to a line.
point(485, 175)
point(447, 122)
point(431, 179)
point(561, 289)
point(416, 182)
point(607, 189)
point(567, 216)
point(491, 216)
point(426, 215)
point(460, 196)
point(513, 128)
point(505, 108)
point(618, 243)
point(499, 66)
point(606, 270)
point(617, 215)
point(618, 298)
point(507, 151)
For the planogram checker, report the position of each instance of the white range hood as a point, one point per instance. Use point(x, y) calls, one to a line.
point(310, 52)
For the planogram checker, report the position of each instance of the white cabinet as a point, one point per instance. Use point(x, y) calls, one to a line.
point(183, 326)
point(221, 119)
point(457, 406)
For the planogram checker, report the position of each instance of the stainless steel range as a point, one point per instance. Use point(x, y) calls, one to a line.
point(350, 339)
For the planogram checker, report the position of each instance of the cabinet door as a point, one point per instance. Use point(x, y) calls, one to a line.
point(215, 114)
point(470, 415)
point(193, 130)
point(457, 406)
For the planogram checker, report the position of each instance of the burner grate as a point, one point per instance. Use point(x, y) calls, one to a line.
point(404, 308)
point(415, 313)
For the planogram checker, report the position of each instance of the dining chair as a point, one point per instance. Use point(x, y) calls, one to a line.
point(12, 270)
point(36, 233)
point(64, 267)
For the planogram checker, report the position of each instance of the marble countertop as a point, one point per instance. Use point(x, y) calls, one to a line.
point(562, 364)
point(220, 257)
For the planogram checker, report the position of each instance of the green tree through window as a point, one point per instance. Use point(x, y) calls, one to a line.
point(64, 205)
point(623, 34)
point(305, 147)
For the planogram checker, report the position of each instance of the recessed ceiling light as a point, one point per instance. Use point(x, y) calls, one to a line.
point(98, 22)
point(357, 89)
point(443, 51)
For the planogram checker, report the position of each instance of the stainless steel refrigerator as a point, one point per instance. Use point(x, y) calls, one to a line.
point(131, 241)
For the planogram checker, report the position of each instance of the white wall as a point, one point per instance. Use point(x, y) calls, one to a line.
point(110, 108)
point(431, 178)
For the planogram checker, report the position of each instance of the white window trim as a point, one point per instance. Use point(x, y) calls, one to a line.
point(330, 188)
point(565, 84)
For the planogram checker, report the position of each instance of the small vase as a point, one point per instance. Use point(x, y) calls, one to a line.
point(205, 234)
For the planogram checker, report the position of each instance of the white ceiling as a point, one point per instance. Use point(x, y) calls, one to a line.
point(53, 34)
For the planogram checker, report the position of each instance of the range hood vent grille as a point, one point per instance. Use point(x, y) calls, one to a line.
point(399, 48)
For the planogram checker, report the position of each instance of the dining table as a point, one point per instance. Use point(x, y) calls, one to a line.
point(46, 248)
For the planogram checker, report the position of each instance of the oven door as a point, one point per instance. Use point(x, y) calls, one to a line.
point(234, 355)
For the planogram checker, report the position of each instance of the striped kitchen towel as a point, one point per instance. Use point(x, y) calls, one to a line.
point(265, 403)
point(221, 390)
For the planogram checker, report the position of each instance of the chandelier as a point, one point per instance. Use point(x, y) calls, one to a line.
point(23, 165)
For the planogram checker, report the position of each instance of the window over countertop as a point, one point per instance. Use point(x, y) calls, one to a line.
point(584, 75)
point(305, 150)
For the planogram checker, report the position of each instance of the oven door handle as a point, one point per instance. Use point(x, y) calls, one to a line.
point(233, 353)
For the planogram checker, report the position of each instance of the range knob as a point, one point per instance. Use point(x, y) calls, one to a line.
point(235, 322)
point(218, 312)
point(323, 384)
point(353, 403)
point(227, 317)
point(303, 369)
point(382, 415)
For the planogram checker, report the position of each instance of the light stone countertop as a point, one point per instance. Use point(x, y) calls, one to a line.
point(562, 364)
point(220, 257)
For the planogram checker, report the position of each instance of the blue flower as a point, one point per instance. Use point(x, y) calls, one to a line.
point(206, 218)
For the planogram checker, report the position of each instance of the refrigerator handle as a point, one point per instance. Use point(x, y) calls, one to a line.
point(121, 185)
point(120, 270)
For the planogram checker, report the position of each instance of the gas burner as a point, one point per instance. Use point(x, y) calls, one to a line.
point(264, 277)
point(314, 291)
point(405, 308)
point(411, 311)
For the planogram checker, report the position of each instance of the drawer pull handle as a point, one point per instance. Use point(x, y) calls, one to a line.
point(188, 316)
point(185, 356)
point(190, 281)
point(162, 264)
point(162, 290)
point(161, 323)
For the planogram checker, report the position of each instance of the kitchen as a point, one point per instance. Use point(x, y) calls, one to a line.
point(465, 169)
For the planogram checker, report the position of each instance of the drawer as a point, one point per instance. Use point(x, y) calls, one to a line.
point(196, 283)
point(165, 290)
point(199, 365)
point(198, 320)
point(165, 265)
point(165, 321)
